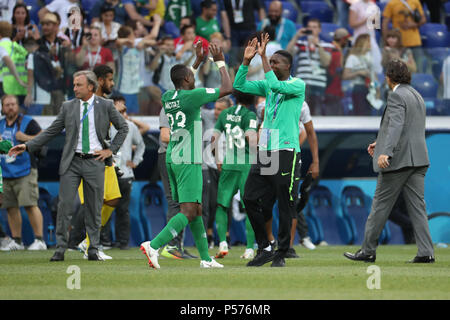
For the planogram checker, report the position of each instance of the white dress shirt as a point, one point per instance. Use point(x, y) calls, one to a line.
point(396, 86)
point(94, 143)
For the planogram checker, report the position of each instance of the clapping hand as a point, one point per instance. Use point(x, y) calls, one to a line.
point(263, 44)
point(199, 50)
point(216, 52)
point(250, 51)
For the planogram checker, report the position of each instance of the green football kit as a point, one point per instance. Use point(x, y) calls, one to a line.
point(235, 122)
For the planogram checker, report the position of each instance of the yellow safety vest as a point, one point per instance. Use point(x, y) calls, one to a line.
point(18, 55)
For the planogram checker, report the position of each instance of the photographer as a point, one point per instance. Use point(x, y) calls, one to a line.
point(312, 63)
point(23, 27)
point(91, 53)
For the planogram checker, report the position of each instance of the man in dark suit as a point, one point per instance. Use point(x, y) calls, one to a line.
point(400, 157)
point(86, 120)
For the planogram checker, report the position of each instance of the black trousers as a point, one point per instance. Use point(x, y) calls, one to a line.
point(209, 196)
point(275, 176)
point(303, 197)
point(122, 223)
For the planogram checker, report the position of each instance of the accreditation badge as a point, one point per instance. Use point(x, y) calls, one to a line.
point(238, 16)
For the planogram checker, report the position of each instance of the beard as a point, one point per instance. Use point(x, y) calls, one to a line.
point(274, 20)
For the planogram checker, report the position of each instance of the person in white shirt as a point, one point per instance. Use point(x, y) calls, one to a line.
point(62, 7)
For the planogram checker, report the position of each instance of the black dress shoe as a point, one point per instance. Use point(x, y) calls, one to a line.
point(94, 256)
point(360, 256)
point(57, 256)
point(424, 259)
point(291, 254)
point(278, 260)
point(262, 257)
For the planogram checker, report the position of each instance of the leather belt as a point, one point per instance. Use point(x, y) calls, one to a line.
point(85, 155)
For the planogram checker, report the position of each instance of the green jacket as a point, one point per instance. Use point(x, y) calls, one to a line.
point(284, 100)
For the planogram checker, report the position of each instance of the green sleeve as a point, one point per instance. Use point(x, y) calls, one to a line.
point(257, 87)
point(294, 86)
point(251, 122)
point(201, 96)
point(5, 145)
point(219, 124)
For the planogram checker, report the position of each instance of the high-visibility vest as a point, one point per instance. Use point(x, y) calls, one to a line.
point(18, 55)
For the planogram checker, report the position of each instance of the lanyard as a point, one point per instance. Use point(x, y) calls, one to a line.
point(97, 54)
point(236, 6)
point(77, 40)
point(276, 106)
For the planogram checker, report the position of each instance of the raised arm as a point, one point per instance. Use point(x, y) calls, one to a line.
point(240, 81)
point(219, 59)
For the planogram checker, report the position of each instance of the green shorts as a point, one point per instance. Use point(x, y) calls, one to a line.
point(186, 182)
point(230, 181)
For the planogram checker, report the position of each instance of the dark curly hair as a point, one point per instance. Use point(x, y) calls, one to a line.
point(397, 71)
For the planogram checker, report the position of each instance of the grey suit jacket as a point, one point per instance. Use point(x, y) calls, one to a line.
point(69, 118)
point(402, 131)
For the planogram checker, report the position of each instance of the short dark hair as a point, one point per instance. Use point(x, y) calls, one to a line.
point(118, 97)
point(178, 73)
point(124, 32)
point(207, 3)
point(397, 71)
point(286, 55)
point(243, 98)
point(317, 20)
point(184, 28)
point(101, 71)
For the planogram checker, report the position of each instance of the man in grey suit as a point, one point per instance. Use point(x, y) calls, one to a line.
point(400, 157)
point(86, 120)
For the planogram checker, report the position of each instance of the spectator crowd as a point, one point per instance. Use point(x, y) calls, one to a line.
point(341, 56)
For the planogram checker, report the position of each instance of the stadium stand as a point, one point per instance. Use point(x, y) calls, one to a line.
point(335, 227)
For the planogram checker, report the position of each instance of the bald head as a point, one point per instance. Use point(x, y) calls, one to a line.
point(275, 11)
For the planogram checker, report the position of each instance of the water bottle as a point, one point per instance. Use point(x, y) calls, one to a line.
point(51, 241)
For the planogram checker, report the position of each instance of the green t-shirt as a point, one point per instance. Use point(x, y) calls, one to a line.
point(235, 122)
point(182, 108)
point(177, 9)
point(206, 28)
point(284, 100)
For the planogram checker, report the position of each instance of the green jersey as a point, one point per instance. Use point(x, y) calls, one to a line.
point(206, 28)
point(177, 9)
point(284, 100)
point(235, 122)
point(182, 108)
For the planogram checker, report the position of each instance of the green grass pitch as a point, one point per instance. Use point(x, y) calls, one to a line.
point(320, 274)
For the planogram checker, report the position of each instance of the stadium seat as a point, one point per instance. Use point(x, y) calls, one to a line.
point(447, 14)
point(328, 30)
point(356, 208)
point(335, 228)
point(45, 205)
point(425, 84)
point(87, 5)
point(396, 233)
point(33, 7)
point(315, 231)
point(316, 9)
point(436, 57)
point(153, 208)
point(434, 35)
point(171, 29)
point(439, 223)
